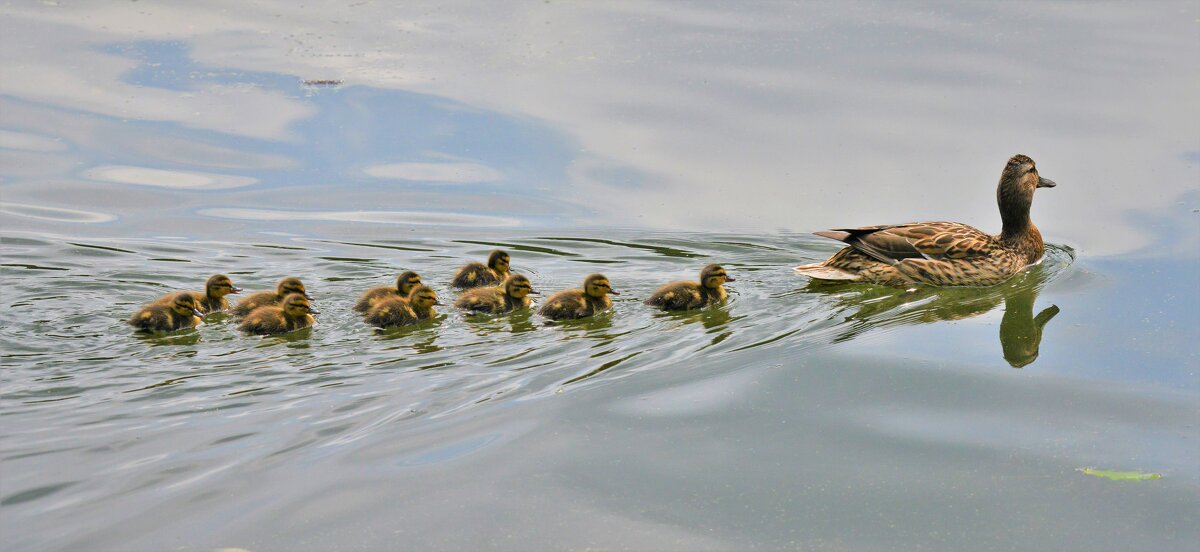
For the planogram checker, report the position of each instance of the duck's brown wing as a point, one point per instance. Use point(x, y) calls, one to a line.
point(919, 240)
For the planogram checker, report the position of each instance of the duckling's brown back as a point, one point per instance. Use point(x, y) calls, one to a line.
point(392, 312)
point(489, 299)
point(473, 275)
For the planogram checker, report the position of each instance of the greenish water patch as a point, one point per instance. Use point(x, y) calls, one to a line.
point(1135, 475)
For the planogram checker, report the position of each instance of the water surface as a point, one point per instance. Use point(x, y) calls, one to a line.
point(145, 146)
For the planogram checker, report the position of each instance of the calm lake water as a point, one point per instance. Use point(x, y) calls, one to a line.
point(144, 147)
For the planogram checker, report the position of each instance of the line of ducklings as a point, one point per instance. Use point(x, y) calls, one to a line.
point(487, 288)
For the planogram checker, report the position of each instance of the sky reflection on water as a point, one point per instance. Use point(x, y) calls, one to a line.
point(743, 117)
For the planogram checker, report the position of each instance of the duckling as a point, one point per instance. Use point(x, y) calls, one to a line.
point(944, 253)
point(684, 295)
point(475, 275)
point(292, 314)
point(514, 294)
point(285, 287)
point(180, 313)
point(395, 311)
point(212, 299)
point(404, 286)
point(592, 298)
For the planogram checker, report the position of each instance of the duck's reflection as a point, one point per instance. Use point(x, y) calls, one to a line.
point(867, 307)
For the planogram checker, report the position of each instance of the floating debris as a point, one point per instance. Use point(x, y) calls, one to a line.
point(1135, 475)
point(321, 82)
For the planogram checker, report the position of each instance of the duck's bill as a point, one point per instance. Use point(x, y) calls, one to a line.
point(236, 290)
point(614, 292)
point(197, 313)
point(1046, 183)
point(307, 296)
point(728, 279)
point(313, 311)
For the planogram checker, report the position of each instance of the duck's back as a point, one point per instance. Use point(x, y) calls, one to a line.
point(486, 299)
point(936, 253)
point(254, 301)
point(160, 318)
point(392, 312)
point(374, 296)
point(475, 275)
point(681, 295)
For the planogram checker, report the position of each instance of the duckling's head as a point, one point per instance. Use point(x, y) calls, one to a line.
point(406, 282)
point(596, 285)
point(517, 286)
point(498, 261)
point(291, 285)
point(184, 304)
point(713, 276)
point(296, 305)
point(423, 297)
point(219, 285)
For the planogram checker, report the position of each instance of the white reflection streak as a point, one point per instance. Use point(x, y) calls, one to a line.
point(421, 218)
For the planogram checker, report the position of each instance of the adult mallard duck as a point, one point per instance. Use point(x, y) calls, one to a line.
point(294, 313)
point(684, 295)
point(395, 311)
point(404, 286)
point(212, 299)
point(475, 275)
point(286, 286)
point(514, 294)
point(944, 253)
point(178, 314)
point(590, 299)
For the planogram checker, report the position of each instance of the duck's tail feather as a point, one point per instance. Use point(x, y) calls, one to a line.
point(821, 271)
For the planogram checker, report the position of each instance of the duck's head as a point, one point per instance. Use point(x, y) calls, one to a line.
point(291, 285)
point(518, 286)
point(423, 297)
point(219, 285)
point(184, 304)
point(713, 276)
point(1015, 192)
point(498, 261)
point(406, 282)
point(597, 285)
point(296, 305)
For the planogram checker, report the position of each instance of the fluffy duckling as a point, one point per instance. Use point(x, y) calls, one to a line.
point(285, 287)
point(514, 294)
point(212, 299)
point(292, 314)
point(944, 253)
point(475, 275)
point(395, 311)
point(592, 298)
point(404, 286)
point(684, 295)
point(178, 314)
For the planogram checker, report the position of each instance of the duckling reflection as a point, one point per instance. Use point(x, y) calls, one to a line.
point(876, 306)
